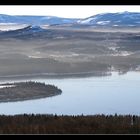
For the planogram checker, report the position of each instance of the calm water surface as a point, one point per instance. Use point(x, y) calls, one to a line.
point(95, 95)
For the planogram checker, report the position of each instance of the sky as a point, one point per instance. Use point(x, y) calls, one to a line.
point(65, 10)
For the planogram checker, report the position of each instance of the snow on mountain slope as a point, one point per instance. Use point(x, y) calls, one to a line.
point(87, 21)
point(12, 26)
point(113, 19)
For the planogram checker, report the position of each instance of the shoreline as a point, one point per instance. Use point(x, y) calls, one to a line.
point(57, 75)
point(63, 75)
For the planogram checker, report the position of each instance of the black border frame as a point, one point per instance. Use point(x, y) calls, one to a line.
point(69, 2)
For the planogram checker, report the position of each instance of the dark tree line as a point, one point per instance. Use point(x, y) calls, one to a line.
point(53, 124)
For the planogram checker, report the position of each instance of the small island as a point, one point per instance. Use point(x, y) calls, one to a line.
point(21, 91)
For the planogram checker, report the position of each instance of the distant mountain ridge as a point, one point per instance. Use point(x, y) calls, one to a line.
point(112, 19)
point(121, 19)
point(35, 20)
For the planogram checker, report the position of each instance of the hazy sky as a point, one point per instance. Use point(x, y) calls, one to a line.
point(65, 11)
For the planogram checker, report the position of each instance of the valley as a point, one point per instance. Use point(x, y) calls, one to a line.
point(55, 52)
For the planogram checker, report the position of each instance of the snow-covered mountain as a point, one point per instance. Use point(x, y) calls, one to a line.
point(112, 19)
point(35, 20)
point(123, 19)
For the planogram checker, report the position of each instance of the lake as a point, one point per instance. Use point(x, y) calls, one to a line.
point(93, 95)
